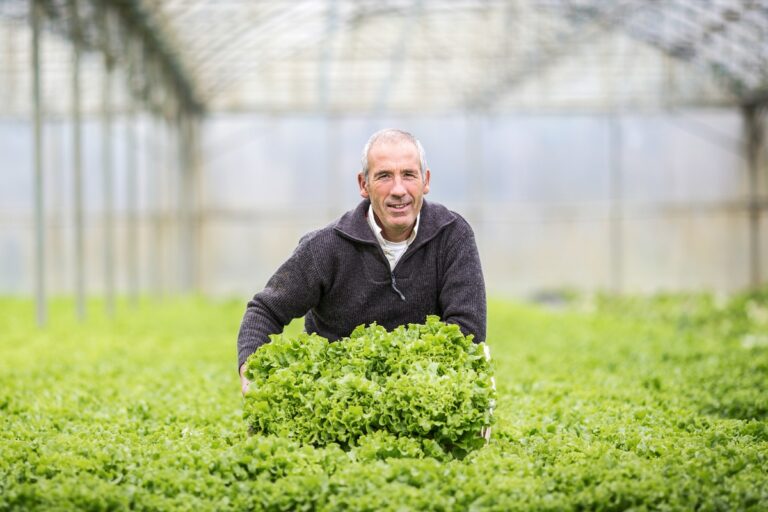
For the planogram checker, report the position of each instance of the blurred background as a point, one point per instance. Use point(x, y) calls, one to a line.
point(154, 147)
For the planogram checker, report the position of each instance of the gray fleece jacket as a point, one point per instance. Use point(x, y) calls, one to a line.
point(339, 278)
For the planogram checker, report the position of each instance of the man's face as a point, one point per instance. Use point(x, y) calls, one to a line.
point(395, 187)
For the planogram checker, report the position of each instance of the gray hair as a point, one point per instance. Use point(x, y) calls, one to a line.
point(393, 135)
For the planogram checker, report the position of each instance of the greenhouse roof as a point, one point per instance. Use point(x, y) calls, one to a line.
point(397, 56)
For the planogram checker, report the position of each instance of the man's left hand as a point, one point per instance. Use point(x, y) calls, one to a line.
point(244, 382)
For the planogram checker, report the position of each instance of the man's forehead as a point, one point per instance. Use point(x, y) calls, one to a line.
point(394, 147)
point(393, 140)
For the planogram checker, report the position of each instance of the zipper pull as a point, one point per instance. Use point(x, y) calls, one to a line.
point(394, 287)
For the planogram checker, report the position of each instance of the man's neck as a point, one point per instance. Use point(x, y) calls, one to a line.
point(396, 237)
point(389, 236)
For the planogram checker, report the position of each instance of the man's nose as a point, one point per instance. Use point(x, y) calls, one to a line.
point(398, 187)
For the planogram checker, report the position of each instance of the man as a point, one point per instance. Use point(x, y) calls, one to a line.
point(392, 260)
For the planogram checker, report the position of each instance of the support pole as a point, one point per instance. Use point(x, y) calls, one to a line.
point(616, 234)
point(155, 174)
point(197, 166)
point(187, 248)
point(133, 124)
point(36, 16)
point(131, 204)
point(107, 168)
point(755, 135)
point(169, 220)
point(77, 164)
point(56, 241)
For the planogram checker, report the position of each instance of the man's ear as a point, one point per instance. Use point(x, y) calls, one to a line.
point(426, 182)
point(363, 186)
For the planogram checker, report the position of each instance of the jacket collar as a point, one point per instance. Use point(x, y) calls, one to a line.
point(433, 218)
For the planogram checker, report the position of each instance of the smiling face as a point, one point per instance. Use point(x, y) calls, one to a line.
point(394, 186)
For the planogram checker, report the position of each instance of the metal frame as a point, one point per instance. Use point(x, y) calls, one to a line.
point(177, 59)
point(345, 56)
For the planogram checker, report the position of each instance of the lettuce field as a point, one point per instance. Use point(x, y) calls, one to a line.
point(602, 404)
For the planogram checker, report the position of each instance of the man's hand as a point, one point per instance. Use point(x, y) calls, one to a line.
point(243, 381)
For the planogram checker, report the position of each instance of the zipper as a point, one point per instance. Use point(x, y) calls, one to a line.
point(392, 280)
point(394, 285)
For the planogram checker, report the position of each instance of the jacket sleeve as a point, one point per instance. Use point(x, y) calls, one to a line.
point(290, 293)
point(462, 292)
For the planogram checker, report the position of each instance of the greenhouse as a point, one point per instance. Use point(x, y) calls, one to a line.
point(164, 162)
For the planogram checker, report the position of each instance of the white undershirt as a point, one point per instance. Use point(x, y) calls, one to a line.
point(392, 250)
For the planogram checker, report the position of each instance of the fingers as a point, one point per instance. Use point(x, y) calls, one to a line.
point(244, 383)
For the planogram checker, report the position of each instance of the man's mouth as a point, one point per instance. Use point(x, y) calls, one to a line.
point(398, 207)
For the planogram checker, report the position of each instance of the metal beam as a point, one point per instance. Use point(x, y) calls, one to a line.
point(156, 170)
point(754, 118)
point(107, 161)
point(197, 225)
point(36, 20)
point(170, 272)
point(134, 65)
point(131, 203)
point(185, 204)
point(77, 163)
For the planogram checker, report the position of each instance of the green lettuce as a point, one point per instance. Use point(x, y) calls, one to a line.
point(426, 382)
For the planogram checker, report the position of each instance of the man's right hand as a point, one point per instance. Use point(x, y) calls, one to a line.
point(243, 381)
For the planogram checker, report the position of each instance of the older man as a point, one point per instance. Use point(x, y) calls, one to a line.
point(393, 260)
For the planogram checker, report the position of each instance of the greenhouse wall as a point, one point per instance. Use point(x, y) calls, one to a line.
point(540, 192)
point(636, 202)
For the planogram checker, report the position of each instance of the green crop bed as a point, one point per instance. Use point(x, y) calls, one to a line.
point(644, 404)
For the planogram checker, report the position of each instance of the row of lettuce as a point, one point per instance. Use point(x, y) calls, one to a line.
point(606, 404)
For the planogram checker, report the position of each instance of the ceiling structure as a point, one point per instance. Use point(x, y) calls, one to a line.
point(177, 59)
point(391, 56)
